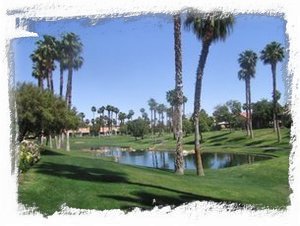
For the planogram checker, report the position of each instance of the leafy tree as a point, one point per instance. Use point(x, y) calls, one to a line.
point(262, 113)
point(209, 28)
point(222, 114)
point(272, 54)
point(41, 112)
point(247, 61)
point(138, 128)
point(206, 122)
point(187, 126)
point(235, 108)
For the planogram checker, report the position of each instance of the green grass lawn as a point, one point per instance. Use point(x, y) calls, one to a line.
point(80, 181)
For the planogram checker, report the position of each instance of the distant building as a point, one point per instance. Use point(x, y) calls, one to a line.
point(106, 130)
point(82, 131)
point(222, 125)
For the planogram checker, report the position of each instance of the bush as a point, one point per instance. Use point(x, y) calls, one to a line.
point(29, 154)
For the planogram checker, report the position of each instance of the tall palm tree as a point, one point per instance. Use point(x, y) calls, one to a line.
point(152, 105)
point(93, 109)
point(38, 72)
point(247, 61)
point(63, 65)
point(130, 114)
point(179, 162)
point(72, 48)
point(117, 112)
point(44, 57)
point(49, 48)
point(272, 54)
point(101, 111)
point(109, 109)
point(209, 28)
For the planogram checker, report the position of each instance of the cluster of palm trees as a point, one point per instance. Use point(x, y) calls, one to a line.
point(113, 117)
point(66, 52)
point(271, 54)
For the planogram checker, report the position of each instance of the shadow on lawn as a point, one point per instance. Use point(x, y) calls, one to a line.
point(80, 173)
point(145, 200)
point(138, 198)
point(50, 152)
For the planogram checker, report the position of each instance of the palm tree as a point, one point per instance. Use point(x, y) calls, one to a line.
point(179, 162)
point(152, 105)
point(130, 114)
point(122, 117)
point(62, 60)
point(272, 54)
point(93, 109)
point(247, 61)
point(38, 72)
point(101, 111)
point(209, 28)
point(44, 57)
point(72, 48)
point(117, 112)
point(109, 109)
point(81, 116)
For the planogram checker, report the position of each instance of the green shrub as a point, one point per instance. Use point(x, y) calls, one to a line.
point(29, 154)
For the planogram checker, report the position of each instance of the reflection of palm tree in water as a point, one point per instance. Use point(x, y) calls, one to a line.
point(154, 159)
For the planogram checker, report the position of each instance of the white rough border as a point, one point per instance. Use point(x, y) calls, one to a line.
point(195, 213)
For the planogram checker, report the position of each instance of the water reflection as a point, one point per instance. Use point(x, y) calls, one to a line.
point(165, 159)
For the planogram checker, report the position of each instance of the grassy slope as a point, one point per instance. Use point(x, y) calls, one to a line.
point(80, 181)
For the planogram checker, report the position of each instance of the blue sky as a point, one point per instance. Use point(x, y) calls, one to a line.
point(128, 61)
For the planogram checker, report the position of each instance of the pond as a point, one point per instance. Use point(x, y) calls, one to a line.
point(165, 159)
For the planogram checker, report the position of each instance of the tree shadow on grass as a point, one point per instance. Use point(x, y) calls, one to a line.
point(147, 200)
point(218, 136)
point(138, 198)
point(254, 143)
point(50, 152)
point(80, 173)
point(236, 139)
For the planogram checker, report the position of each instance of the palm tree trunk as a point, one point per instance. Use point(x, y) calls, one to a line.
point(250, 112)
point(61, 85)
point(275, 113)
point(197, 105)
point(50, 142)
point(48, 82)
point(69, 88)
point(51, 81)
point(68, 141)
point(40, 83)
point(174, 123)
point(247, 108)
point(179, 162)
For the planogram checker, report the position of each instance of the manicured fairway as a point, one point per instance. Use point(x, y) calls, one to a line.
point(80, 181)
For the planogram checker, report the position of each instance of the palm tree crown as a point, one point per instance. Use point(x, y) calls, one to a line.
point(272, 53)
point(247, 61)
point(210, 27)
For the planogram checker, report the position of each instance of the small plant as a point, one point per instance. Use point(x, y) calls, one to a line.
point(29, 154)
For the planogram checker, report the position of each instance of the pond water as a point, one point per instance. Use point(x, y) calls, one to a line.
point(165, 159)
